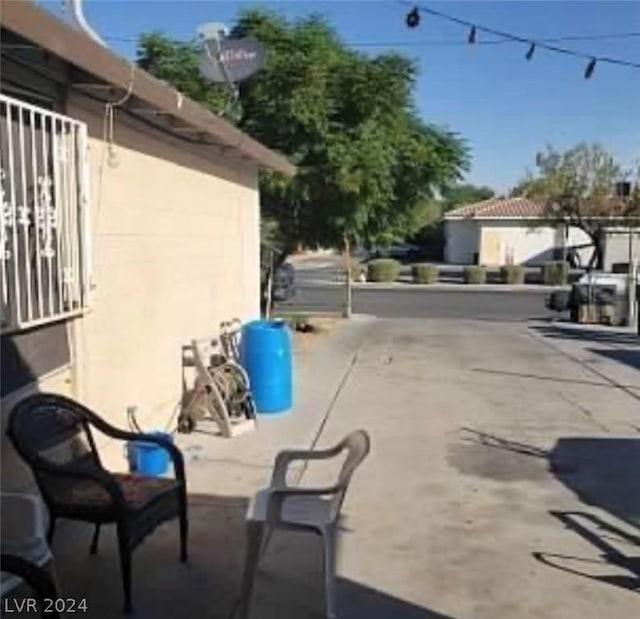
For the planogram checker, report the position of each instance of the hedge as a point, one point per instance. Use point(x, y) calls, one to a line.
point(512, 274)
point(383, 270)
point(424, 273)
point(475, 275)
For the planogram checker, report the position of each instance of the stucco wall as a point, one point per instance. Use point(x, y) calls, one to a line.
point(616, 247)
point(175, 252)
point(15, 475)
point(515, 240)
point(521, 243)
point(462, 241)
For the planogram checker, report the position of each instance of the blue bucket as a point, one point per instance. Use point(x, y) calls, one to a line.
point(149, 459)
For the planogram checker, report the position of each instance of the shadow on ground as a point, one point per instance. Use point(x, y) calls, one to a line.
point(587, 335)
point(289, 582)
point(601, 472)
point(615, 566)
point(626, 357)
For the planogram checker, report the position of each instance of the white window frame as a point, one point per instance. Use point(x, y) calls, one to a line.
point(45, 234)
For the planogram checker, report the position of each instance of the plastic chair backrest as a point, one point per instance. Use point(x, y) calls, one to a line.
point(357, 444)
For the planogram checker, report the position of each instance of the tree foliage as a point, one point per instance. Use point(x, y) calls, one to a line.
point(465, 193)
point(368, 164)
point(579, 189)
point(430, 235)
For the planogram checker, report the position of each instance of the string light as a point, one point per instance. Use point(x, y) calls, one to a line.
point(531, 51)
point(413, 18)
point(415, 12)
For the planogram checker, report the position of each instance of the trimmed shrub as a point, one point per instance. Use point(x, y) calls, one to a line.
point(512, 274)
point(475, 275)
point(555, 273)
point(383, 270)
point(424, 273)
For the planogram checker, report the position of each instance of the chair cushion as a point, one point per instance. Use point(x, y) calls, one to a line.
point(305, 510)
point(138, 491)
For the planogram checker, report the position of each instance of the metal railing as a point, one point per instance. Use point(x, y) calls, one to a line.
point(44, 215)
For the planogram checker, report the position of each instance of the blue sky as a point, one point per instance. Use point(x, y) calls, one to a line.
point(507, 108)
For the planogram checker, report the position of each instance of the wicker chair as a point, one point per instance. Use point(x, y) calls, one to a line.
point(53, 434)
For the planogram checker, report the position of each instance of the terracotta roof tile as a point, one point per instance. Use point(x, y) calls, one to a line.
point(499, 207)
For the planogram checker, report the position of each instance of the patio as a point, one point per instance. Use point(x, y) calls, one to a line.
point(499, 486)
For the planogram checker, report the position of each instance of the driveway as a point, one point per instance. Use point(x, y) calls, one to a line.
point(503, 481)
point(502, 484)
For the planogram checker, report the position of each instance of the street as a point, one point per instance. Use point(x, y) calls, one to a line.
point(422, 302)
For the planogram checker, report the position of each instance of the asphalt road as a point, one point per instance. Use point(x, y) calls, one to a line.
point(423, 303)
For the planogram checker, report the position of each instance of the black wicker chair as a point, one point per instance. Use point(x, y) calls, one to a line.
point(53, 435)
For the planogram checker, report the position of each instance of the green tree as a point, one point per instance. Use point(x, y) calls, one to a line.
point(579, 189)
point(466, 193)
point(176, 62)
point(430, 235)
point(366, 161)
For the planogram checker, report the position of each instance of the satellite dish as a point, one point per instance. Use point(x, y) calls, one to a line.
point(238, 58)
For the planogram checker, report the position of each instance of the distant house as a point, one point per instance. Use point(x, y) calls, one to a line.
point(503, 231)
point(130, 224)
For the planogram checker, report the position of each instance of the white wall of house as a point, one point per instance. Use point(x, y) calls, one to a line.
point(616, 247)
point(500, 241)
point(462, 241)
point(175, 237)
point(520, 242)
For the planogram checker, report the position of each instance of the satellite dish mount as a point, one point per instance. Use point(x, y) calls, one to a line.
point(226, 60)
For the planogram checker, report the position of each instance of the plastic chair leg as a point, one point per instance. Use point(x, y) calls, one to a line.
point(329, 542)
point(255, 532)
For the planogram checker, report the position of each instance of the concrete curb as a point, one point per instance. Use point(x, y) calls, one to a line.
point(453, 287)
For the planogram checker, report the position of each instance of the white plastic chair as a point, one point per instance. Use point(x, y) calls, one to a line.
point(315, 510)
point(23, 534)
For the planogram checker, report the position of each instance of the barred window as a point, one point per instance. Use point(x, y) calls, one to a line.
point(44, 231)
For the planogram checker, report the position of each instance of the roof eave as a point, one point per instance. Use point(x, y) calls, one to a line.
point(73, 46)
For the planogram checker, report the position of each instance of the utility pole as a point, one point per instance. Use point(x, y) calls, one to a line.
point(631, 287)
point(623, 191)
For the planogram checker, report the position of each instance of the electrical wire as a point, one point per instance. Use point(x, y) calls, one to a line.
point(456, 42)
point(540, 43)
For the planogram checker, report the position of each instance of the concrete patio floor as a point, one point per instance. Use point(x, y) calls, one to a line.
point(503, 484)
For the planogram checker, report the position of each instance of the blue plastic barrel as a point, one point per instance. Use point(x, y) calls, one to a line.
point(265, 353)
point(149, 458)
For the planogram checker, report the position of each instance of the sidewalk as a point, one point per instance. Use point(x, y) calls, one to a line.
point(607, 353)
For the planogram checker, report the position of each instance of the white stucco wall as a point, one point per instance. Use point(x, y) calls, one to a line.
point(175, 252)
point(519, 241)
point(616, 247)
point(462, 241)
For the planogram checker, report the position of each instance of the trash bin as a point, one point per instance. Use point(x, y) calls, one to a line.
point(265, 353)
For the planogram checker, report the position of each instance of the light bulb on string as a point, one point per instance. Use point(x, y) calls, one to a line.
point(531, 51)
point(591, 67)
point(413, 18)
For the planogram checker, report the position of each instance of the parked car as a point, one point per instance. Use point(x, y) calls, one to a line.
point(600, 287)
point(399, 251)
